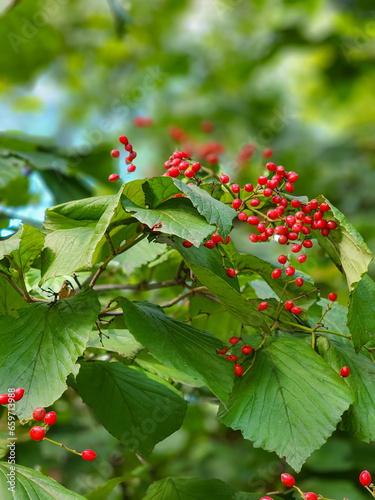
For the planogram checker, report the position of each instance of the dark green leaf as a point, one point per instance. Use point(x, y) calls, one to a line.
point(179, 346)
point(22, 248)
point(136, 407)
point(39, 349)
point(289, 402)
point(175, 488)
point(361, 312)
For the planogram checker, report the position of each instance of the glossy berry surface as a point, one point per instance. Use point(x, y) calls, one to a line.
point(4, 399)
point(299, 281)
point(365, 478)
point(246, 349)
point(332, 297)
point(113, 177)
point(37, 433)
point(310, 496)
point(18, 394)
point(123, 139)
point(39, 414)
point(296, 310)
point(88, 455)
point(344, 372)
point(287, 480)
point(222, 351)
point(232, 357)
point(115, 153)
point(231, 273)
point(224, 179)
point(187, 244)
point(50, 418)
point(289, 271)
point(238, 370)
point(262, 306)
point(276, 273)
point(234, 340)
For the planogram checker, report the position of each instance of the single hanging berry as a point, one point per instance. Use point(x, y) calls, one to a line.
point(310, 496)
point(123, 139)
point(113, 177)
point(4, 399)
point(187, 244)
point(246, 349)
point(88, 455)
point(332, 297)
point(115, 153)
point(224, 179)
point(37, 433)
point(238, 370)
point(287, 480)
point(365, 478)
point(39, 414)
point(262, 306)
point(223, 350)
point(50, 418)
point(18, 394)
point(344, 372)
point(233, 340)
point(231, 273)
point(232, 357)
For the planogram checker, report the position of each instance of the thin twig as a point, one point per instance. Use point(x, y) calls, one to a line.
point(194, 291)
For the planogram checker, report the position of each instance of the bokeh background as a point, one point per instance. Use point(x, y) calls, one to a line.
point(231, 76)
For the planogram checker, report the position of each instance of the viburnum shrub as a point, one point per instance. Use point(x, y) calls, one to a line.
point(294, 366)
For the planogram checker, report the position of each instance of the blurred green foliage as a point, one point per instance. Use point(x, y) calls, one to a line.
point(297, 76)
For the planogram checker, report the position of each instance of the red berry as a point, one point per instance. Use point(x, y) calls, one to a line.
point(292, 177)
point(131, 168)
point(37, 433)
point(128, 148)
point(269, 231)
point(242, 216)
point(263, 237)
point(236, 203)
point(282, 259)
point(174, 172)
point(50, 418)
point(196, 167)
point(289, 271)
point(332, 297)
point(289, 304)
point(115, 153)
point(310, 496)
point(235, 188)
point(267, 192)
point(301, 259)
point(262, 180)
point(266, 498)
point(331, 224)
point(307, 244)
point(293, 236)
point(280, 170)
point(210, 244)
point(276, 273)
point(231, 273)
point(324, 207)
point(254, 238)
point(88, 455)
point(255, 202)
point(299, 281)
point(261, 227)
point(18, 394)
point(39, 414)
point(189, 173)
point(187, 244)
point(254, 221)
point(223, 350)
point(296, 310)
point(365, 478)
point(287, 480)
point(224, 179)
point(248, 188)
point(227, 240)
point(283, 239)
point(176, 162)
point(296, 248)
point(314, 204)
point(233, 340)
point(272, 214)
point(246, 349)
point(183, 166)
point(113, 177)
point(295, 203)
point(4, 399)
point(289, 187)
point(262, 306)
point(267, 153)
point(217, 238)
point(231, 357)
point(318, 215)
point(211, 158)
point(290, 220)
point(271, 166)
point(238, 370)
point(123, 139)
point(321, 224)
point(344, 372)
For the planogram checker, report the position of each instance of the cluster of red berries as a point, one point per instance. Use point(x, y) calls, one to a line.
point(15, 396)
point(142, 121)
point(180, 164)
point(115, 153)
point(38, 433)
point(245, 349)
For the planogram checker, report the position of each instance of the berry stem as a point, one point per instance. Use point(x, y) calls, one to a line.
point(62, 446)
point(299, 490)
point(319, 324)
point(193, 291)
point(24, 420)
point(370, 490)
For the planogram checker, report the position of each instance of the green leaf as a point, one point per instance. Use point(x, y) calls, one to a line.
point(22, 248)
point(144, 252)
point(345, 246)
point(175, 488)
point(65, 187)
point(75, 233)
point(361, 312)
point(212, 210)
point(359, 420)
point(116, 340)
point(10, 299)
point(335, 319)
point(39, 349)
point(32, 485)
point(246, 311)
point(149, 193)
point(102, 492)
point(136, 407)
point(179, 346)
point(177, 217)
point(289, 402)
